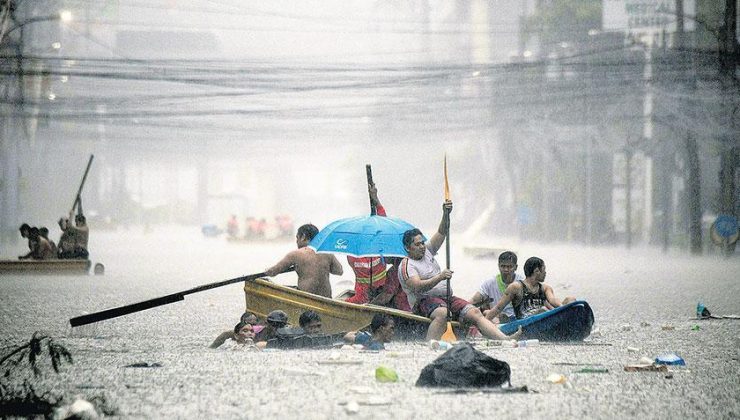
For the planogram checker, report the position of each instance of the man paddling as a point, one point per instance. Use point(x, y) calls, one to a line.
point(313, 269)
point(529, 296)
point(426, 285)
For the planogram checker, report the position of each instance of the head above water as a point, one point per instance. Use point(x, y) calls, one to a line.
point(310, 321)
point(249, 317)
point(243, 331)
point(277, 318)
point(382, 327)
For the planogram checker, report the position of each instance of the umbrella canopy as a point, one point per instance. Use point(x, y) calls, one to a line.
point(363, 236)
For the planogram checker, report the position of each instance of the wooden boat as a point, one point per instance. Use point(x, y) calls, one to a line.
point(263, 296)
point(54, 267)
point(571, 322)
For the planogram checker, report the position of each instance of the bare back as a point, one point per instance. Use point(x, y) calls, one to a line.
point(313, 270)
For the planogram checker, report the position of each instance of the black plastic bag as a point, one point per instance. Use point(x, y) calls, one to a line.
point(464, 366)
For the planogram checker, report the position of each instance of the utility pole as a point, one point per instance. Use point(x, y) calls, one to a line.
point(628, 194)
point(693, 177)
point(728, 56)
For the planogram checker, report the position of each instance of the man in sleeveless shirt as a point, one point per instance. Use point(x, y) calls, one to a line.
point(530, 296)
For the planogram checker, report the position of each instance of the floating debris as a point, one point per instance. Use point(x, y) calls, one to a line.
point(646, 368)
point(144, 365)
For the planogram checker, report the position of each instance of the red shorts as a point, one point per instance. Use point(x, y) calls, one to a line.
point(426, 305)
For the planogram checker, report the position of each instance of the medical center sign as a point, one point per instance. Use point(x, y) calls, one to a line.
point(643, 16)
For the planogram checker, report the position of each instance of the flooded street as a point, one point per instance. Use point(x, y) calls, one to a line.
point(642, 299)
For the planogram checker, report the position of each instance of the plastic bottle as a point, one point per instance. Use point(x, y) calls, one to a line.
point(699, 309)
point(528, 343)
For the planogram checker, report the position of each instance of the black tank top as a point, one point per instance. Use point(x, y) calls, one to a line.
point(531, 302)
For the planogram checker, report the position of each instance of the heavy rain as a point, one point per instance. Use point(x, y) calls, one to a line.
point(196, 137)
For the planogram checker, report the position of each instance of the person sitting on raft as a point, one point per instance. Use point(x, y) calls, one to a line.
point(426, 286)
point(529, 296)
point(382, 329)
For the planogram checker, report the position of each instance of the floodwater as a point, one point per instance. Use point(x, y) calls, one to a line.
point(642, 299)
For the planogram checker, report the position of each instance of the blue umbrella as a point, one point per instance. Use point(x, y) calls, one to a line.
point(363, 236)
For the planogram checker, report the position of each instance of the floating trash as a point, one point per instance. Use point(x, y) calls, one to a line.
point(144, 365)
point(670, 359)
point(556, 378)
point(385, 374)
point(593, 370)
point(646, 368)
point(352, 407)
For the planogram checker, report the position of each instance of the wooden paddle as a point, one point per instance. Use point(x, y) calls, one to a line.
point(369, 172)
point(449, 334)
point(84, 177)
point(373, 212)
point(153, 303)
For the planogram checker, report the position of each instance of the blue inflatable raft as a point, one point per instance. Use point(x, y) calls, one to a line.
point(571, 322)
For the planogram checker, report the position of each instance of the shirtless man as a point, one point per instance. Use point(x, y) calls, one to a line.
point(66, 245)
point(44, 232)
point(313, 269)
point(41, 249)
point(531, 295)
point(25, 230)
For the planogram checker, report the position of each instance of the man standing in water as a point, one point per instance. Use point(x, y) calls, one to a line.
point(529, 296)
point(426, 286)
point(313, 269)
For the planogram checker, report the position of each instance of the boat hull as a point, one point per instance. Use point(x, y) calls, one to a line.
point(45, 267)
point(571, 322)
point(263, 296)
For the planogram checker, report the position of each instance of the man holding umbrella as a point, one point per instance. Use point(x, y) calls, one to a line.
point(425, 284)
point(374, 281)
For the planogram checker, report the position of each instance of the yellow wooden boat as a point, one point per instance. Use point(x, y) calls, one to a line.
point(46, 267)
point(263, 296)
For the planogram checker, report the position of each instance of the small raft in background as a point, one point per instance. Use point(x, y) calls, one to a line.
point(46, 267)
